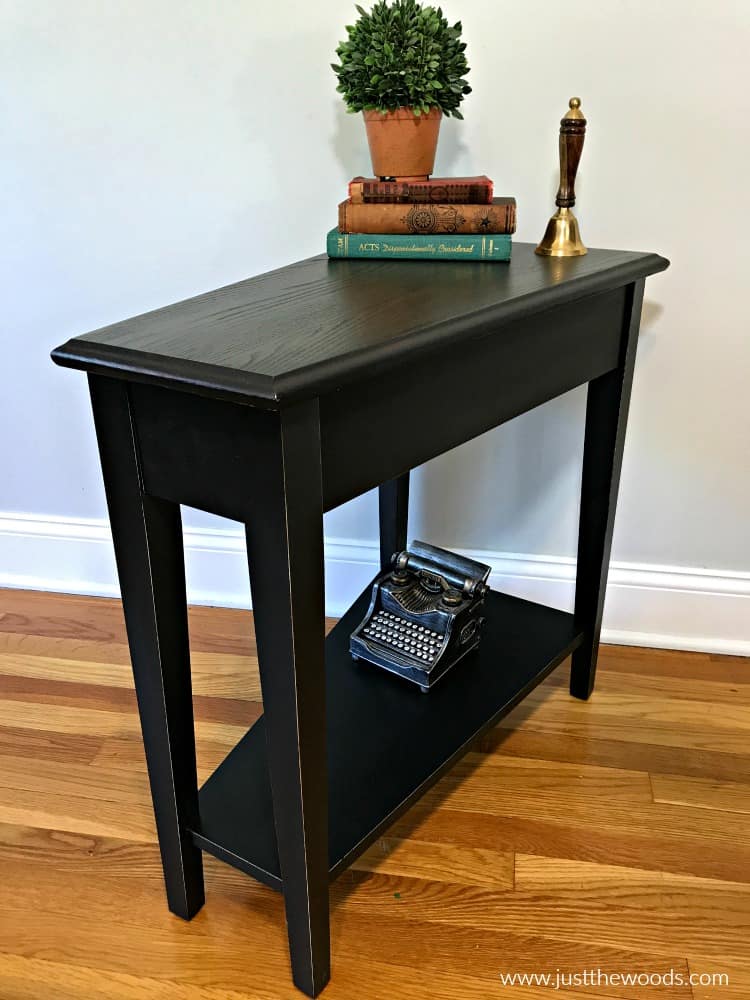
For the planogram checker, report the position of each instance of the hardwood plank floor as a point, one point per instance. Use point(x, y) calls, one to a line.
point(611, 835)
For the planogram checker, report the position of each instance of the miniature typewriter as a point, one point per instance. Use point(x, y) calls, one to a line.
point(424, 615)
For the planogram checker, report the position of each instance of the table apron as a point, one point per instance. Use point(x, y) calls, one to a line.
point(377, 429)
point(210, 453)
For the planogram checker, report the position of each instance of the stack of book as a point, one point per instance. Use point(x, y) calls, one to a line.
point(441, 218)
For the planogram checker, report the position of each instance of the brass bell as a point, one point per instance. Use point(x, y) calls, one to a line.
point(562, 237)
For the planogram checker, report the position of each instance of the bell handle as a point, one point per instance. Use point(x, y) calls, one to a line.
point(572, 134)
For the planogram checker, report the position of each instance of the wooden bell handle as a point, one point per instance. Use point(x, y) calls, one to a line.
point(572, 134)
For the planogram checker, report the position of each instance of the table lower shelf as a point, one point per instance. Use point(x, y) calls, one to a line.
point(387, 742)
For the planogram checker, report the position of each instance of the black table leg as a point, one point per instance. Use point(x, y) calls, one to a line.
point(606, 418)
point(285, 552)
point(393, 499)
point(147, 537)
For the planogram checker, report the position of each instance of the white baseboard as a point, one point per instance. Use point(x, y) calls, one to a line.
point(669, 607)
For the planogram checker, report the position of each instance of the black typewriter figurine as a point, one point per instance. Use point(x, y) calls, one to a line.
point(424, 615)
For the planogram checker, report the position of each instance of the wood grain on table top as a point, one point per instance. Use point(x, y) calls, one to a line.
point(318, 324)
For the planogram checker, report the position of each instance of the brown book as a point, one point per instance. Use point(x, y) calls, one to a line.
point(427, 219)
point(441, 190)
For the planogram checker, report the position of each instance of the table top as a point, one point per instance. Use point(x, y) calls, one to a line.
point(318, 324)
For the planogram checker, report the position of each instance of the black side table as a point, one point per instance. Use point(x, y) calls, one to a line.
point(274, 400)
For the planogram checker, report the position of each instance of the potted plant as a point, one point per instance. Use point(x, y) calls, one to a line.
point(403, 66)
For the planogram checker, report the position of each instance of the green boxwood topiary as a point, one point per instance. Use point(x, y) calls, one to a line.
point(402, 54)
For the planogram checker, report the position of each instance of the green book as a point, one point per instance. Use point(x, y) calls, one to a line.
point(374, 246)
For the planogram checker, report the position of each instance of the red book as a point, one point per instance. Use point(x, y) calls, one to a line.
point(428, 218)
point(442, 190)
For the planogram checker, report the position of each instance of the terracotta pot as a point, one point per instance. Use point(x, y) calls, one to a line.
point(403, 144)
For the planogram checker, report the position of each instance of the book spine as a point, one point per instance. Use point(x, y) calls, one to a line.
point(459, 190)
point(374, 246)
point(422, 220)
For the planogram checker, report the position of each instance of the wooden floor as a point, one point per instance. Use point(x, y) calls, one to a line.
point(612, 835)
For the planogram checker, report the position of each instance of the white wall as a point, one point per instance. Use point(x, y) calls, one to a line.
point(153, 150)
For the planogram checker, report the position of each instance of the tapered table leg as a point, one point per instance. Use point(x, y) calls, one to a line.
point(285, 552)
point(606, 418)
point(147, 537)
point(393, 499)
